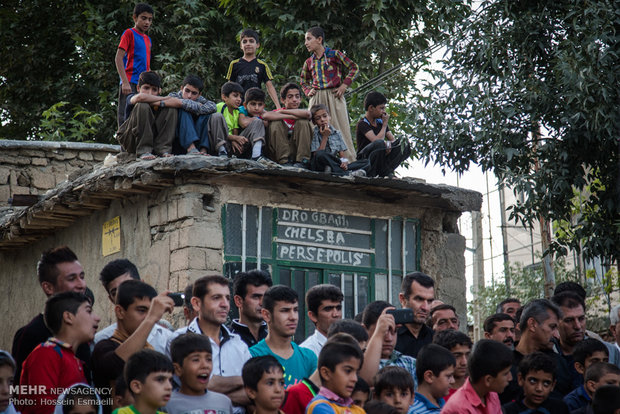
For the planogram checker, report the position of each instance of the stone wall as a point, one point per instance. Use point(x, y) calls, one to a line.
point(33, 167)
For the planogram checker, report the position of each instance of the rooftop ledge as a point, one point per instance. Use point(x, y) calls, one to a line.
point(94, 190)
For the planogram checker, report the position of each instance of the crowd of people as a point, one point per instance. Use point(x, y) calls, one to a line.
point(536, 358)
point(318, 138)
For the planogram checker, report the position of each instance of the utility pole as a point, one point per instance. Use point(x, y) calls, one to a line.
point(478, 273)
point(502, 206)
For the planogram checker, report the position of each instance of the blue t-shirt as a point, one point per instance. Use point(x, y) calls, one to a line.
point(422, 405)
point(299, 366)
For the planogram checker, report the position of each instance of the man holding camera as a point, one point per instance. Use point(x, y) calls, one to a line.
point(417, 292)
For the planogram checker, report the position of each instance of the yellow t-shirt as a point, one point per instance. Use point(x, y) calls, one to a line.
point(232, 120)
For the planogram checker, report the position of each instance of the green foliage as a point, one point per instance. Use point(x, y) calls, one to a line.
point(524, 67)
point(59, 123)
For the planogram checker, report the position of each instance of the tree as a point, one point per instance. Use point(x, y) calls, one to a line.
point(530, 91)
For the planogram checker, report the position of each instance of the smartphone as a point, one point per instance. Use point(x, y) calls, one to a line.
point(178, 298)
point(402, 316)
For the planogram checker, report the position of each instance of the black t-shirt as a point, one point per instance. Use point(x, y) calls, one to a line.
point(107, 366)
point(550, 405)
point(250, 74)
point(245, 334)
point(407, 344)
point(363, 126)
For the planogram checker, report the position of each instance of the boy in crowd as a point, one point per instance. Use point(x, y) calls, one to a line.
point(263, 379)
point(489, 373)
point(254, 104)
point(606, 400)
point(249, 71)
point(460, 345)
point(150, 121)
point(193, 117)
point(122, 394)
point(394, 386)
point(338, 365)
point(248, 289)
point(586, 353)
point(324, 304)
point(290, 131)
point(280, 311)
point(537, 378)
point(375, 141)
point(191, 357)
point(501, 328)
point(328, 148)
point(597, 375)
point(435, 371)
point(53, 364)
point(7, 373)
point(133, 55)
point(230, 131)
point(138, 309)
point(361, 392)
point(148, 375)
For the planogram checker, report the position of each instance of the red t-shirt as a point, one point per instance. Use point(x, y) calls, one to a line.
point(298, 396)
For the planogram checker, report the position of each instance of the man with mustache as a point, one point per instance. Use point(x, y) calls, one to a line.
point(501, 328)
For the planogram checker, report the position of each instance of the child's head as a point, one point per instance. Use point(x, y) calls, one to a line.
point(122, 394)
point(191, 357)
point(435, 369)
point(314, 39)
point(7, 372)
point(149, 377)
point(339, 361)
point(489, 365)
point(320, 115)
point(192, 87)
point(537, 378)
point(599, 374)
point(290, 94)
point(351, 327)
point(379, 407)
point(254, 101)
point(374, 104)
point(394, 385)
point(81, 399)
point(71, 313)
point(133, 300)
point(149, 83)
point(142, 17)
point(249, 42)
point(361, 392)
point(263, 379)
point(115, 273)
point(281, 310)
point(232, 94)
point(588, 352)
point(459, 344)
point(606, 400)
point(371, 315)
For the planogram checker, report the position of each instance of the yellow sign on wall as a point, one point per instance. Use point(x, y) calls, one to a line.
point(111, 236)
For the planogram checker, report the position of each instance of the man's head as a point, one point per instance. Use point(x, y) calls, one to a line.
point(281, 310)
point(539, 323)
point(290, 94)
point(572, 324)
point(133, 301)
point(435, 368)
point(188, 309)
point(589, 352)
point(142, 17)
point(570, 286)
point(71, 314)
point(249, 288)
point(501, 328)
point(444, 317)
point(191, 357)
point(600, 374)
point(606, 400)
point(59, 271)
point(374, 104)
point(192, 87)
point(324, 304)
point(211, 299)
point(115, 273)
point(614, 318)
point(509, 306)
point(254, 101)
point(149, 83)
point(232, 94)
point(320, 115)
point(394, 386)
point(417, 292)
point(460, 345)
point(249, 42)
point(339, 361)
point(263, 379)
point(489, 365)
point(537, 378)
point(371, 315)
point(148, 375)
point(351, 327)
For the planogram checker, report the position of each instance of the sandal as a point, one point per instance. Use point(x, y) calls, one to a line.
point(147, 156)
point(193, 151)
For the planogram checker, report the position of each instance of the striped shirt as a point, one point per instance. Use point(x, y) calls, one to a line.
point(137, 59)
point(326, 72)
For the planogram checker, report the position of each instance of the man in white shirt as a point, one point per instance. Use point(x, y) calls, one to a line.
point(324, 305)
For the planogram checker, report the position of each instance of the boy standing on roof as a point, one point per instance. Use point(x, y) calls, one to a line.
point(249, 71)
point(133, 55)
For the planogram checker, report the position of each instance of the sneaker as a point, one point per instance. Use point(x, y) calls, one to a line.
point(358, 173)
point(327, 170)
point(304, 164)
point(222, 154)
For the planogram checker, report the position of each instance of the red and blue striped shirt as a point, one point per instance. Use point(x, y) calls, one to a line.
point(137, 59)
